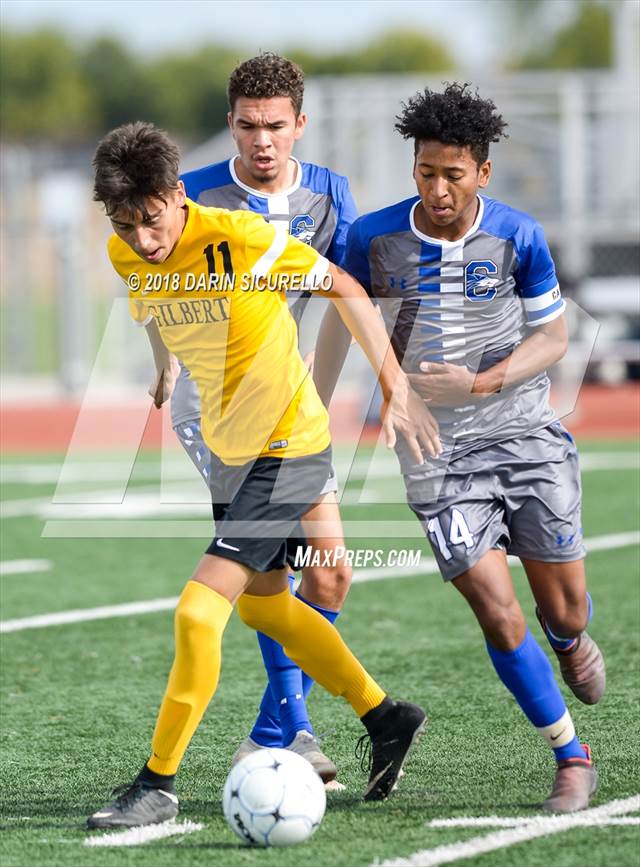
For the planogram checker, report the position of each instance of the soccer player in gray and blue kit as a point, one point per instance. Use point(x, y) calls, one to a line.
point(469, 293)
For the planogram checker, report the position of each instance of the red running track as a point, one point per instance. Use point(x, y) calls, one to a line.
point(602, 412)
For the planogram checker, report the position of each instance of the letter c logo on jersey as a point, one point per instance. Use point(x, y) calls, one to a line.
point(303, 227)
point(480, 280)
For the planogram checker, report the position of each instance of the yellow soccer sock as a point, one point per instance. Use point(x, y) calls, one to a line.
point(314, 644)
point(200, 620)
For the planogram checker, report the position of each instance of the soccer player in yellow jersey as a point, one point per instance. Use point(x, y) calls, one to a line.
point(213, 282)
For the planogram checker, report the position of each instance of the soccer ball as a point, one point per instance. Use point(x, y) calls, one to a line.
point(273, 797)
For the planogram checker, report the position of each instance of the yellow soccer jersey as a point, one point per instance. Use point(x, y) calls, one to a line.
point(220, 307)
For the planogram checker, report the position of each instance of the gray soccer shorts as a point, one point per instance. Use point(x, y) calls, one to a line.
point(190, 436)
point(521, 496)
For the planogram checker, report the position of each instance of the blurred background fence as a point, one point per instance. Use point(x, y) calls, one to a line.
point(571, 160)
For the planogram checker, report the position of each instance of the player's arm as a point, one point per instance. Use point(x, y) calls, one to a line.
point(332, 345)
point(537, 285)
point(403, 410)
point(540, 350)
point(334, 339)
point(453, 384)
point(167, 367)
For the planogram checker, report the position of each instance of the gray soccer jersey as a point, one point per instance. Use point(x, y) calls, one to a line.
point(467, 302)
point(318, 209)
point(508, 477)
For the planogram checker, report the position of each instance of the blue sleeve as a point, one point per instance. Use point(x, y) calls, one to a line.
point(347, 213)
point(191, 184)
point(536, 279)
point(357, 256)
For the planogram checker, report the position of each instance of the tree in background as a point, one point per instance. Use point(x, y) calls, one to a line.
point(42, 89)
point(51, 89)
point(188, 92)
point(399, 50)
point(583, 42)
point(116, 80)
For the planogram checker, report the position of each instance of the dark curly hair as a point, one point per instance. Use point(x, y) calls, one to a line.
point(458, 116)
point(132, 163)
point(265, 76)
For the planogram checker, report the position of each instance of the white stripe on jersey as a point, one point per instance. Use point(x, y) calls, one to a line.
point(453, 347)
point(549, 317)
point(316, 274)
point(278, 205)
point(542, 301)
point(264, 263)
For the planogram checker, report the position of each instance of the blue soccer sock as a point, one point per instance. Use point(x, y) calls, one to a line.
point(562, 645)
point(331, 616)
point(285, 684)
point(527, 674)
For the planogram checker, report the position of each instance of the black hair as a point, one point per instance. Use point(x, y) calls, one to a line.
point(132, 163)
point(458, 116)
point(266, 76)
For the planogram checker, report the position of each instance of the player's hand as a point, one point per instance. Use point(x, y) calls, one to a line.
point(444, 384)
point(406, 413)
point(164, 383)
point(309, 358)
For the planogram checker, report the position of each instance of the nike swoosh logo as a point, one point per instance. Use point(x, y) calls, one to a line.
point(555, 737)
point(222, 544)
point(101, 815)
point(374, 782)
point(169, 795)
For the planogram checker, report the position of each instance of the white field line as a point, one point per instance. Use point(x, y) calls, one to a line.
point(22, 567)
point(105, 612)
point(98, 471)
point(145, 834)
point(184, 500)
point(180, 470)
point(49, 473)
point(81, 615)
point(541, 826)
point(613, 540)
point(516, 822)
point(427, 566)
point(167, 502)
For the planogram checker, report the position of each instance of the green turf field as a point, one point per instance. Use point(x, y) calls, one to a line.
point(79, 700)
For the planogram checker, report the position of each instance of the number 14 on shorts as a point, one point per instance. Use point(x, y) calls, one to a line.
point(459, 533)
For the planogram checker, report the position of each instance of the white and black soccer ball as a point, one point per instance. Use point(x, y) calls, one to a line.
point(273, 797)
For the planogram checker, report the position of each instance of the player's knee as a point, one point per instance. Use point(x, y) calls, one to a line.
point(249, 614)
point(327, 586)
point(261, 614)
point(568, 621)
point(503, 625)
point(191, 620)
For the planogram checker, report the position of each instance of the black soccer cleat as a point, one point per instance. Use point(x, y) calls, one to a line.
point(383, 750)
point(136, 805)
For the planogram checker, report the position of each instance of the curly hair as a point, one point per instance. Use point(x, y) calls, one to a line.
point(266, 76)
point(458, 116)
point(132, 163)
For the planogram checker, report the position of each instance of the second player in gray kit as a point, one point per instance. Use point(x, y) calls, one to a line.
point(469, 294)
